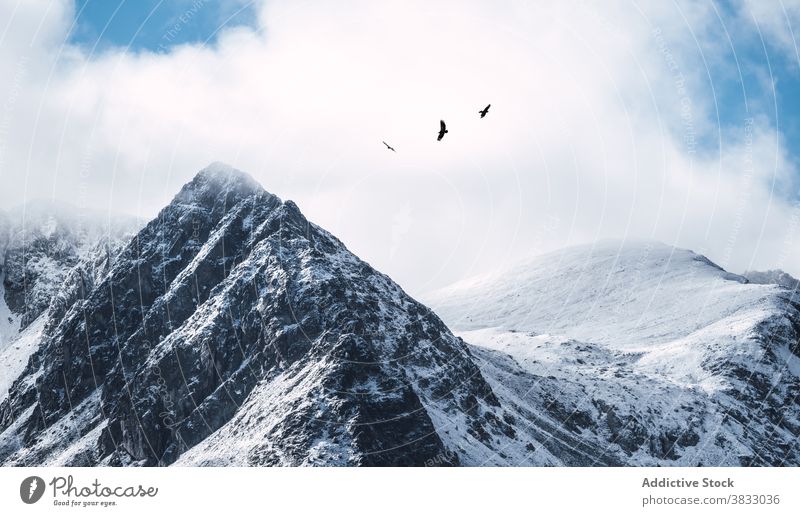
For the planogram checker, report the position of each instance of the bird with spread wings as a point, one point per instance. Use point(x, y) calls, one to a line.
point(442, 130)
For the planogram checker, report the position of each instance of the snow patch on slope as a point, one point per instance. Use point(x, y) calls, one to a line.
point(14, 357)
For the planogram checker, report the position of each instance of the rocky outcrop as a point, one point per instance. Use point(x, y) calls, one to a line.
point(230, 314)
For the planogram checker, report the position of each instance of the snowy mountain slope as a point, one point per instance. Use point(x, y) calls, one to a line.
point(233, 331)
point(621, 295)
point(664, 357)
point(14, 357)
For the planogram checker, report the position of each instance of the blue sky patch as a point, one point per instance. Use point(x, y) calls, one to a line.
point(155, 25)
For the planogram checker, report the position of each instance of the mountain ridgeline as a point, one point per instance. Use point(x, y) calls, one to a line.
point(230, 330)
point(232, 315)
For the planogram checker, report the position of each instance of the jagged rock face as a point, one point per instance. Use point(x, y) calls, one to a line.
point(79, 281)
point(31, 270)
point(41, 243)
point(233, 331)
point(61, 253)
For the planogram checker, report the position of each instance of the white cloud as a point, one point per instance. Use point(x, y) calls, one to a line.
point(595, 129)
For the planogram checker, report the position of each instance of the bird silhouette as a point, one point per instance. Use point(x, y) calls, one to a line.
point(484, 111)
point(389, 147)
point(442, 130)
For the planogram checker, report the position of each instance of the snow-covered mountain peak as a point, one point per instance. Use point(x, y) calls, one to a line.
point(254, 322)
point(613, 256)
point(615, 292)
point(211, 194)
point(656, 352)
point(219, 178)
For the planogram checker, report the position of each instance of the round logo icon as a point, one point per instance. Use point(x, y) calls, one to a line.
point(31, 489)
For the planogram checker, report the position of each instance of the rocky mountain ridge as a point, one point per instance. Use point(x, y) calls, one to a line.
point(230, 330)
point(231, 314)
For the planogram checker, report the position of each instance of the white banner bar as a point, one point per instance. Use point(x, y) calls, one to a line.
point(354, 491)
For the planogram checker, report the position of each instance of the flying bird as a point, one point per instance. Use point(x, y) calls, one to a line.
point(484, 111)
point(389, 147)
point(442, 130)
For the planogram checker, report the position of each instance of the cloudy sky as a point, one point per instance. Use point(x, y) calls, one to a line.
point(677, 121)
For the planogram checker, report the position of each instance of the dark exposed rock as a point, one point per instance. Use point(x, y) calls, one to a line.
point(42, 241)
point(227, 294)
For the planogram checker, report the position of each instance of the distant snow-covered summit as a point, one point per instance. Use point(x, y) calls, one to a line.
point(654, 352)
